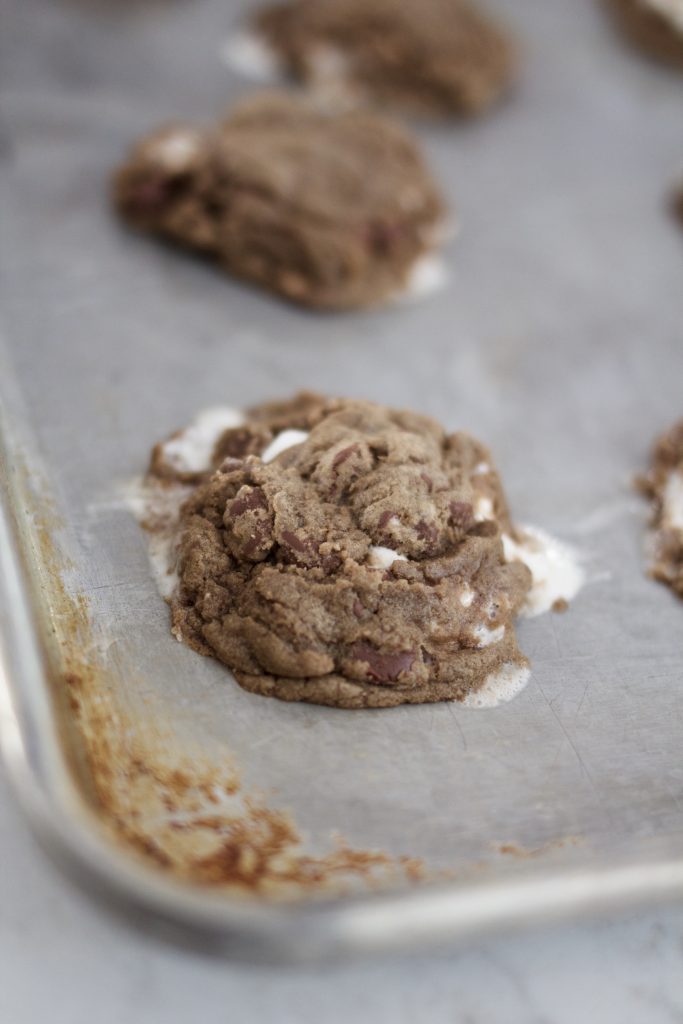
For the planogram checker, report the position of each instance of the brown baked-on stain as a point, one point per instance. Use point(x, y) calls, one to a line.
point(527, 853)
point(198, 822)
point(183, 815)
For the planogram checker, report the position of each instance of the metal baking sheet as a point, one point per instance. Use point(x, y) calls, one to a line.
point(558, 342)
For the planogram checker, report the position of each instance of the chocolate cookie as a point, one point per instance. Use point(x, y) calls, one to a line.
point(655, 26)
point(663, 485)
point(677, 202)
point(328, 210)
point(436, 57)
point(339, 552)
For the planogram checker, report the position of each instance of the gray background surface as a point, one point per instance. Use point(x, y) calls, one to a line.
point(558, 342)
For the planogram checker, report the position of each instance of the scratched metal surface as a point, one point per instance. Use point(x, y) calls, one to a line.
point(559, 342)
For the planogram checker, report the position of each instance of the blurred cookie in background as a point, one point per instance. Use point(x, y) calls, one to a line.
point(654, 26)
point(677, 200)
point(436, 57)
point(327, 210)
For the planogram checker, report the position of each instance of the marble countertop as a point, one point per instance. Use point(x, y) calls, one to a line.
point(61, 957)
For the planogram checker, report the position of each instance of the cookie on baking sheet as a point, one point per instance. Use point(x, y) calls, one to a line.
point(435, 57)
point(663, 485)
point(655, 26)
point(340, 552)
point(328, 210)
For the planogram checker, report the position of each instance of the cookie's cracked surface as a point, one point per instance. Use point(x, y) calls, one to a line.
point(663, 484)
point(345, 553)
point(327, 210)
point(436, 57)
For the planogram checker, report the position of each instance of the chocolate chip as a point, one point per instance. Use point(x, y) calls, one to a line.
point(381, 237)
point(385, 517)
point(441, 569)
point(429, 533)
point(259, 543)
point(343, 455)
point(247, 500)
point(383, 668)
point(303, 547)
point(330, 563)
point(237, 442)
point(461, 514)
point(148, 195)
point(230, 465)
point(486, 529)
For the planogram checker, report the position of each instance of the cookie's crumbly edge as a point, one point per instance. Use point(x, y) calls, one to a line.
point(338, 692)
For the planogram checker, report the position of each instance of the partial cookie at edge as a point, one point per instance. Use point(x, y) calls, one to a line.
point(663, 485)
point(437, 58)
point(653, 26)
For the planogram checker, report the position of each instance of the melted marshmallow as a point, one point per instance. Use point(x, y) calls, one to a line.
point(284, 440)
point(500, 687)
point(249, 54)
point(483, 509)
point(153, 503)
point(177, 149)
point(158, 505)
point(383, 558)
point(672, 501)
point(191, 450)
point(163, 556)
point(555, 569)
point(486, 636)
point(427, 276)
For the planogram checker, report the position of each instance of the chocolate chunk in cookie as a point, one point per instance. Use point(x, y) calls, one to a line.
point(327, 210)
point(654, 26)
point(663, 485)
point(436, 57)
point(345, 553)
